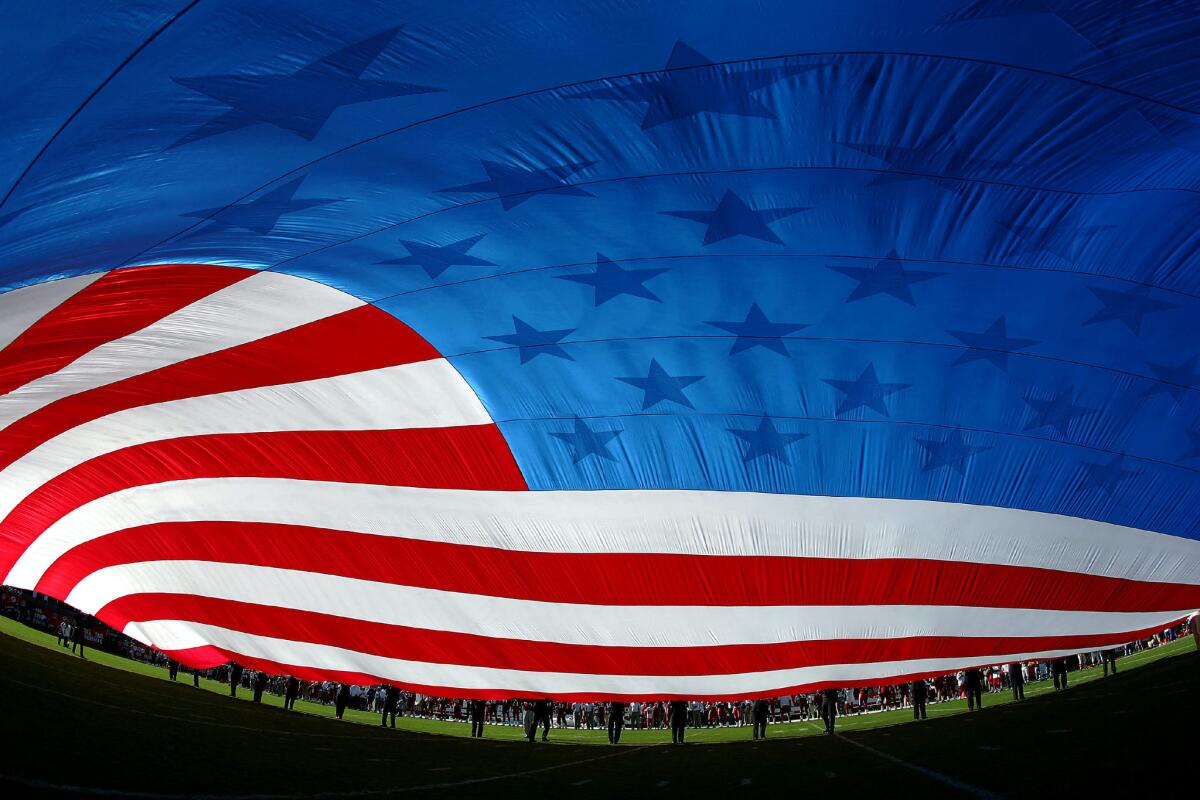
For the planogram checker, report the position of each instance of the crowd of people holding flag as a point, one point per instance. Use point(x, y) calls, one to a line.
point(538, 715)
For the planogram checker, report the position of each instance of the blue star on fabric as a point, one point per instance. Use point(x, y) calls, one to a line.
point(865, 90)
point(532, 343)
point(1063, 241)
point(610, 280)
point(866, 391)
point(939, 160)
point(585, 441)
point(1106, 477)
point(1101, 27)
point(758, 331)
point(993, 345)
point(952, 452)
point(436, 259)
point(1128, 307)
point(734, 217)
point(766, 440)
point(888, 277)
point(300, 102)
point(1175, 381)
point(685, 90)
point(515, 185)
point(1056, 412)
point(659, 385)
point(1172, 128)
point(988, 9)
point(1194, 436)
point(260, 215)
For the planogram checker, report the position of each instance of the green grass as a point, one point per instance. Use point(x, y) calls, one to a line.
point(118, 727)
point(865, 721)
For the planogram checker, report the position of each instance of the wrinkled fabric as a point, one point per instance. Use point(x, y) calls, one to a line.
point(603, 350)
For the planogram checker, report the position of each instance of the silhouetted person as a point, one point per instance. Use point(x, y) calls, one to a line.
point(973, 684)
point(920, 695)
point(235, 677)
point(541, 717)
point(678, 714)
point(196, 678)
point(1109, 657)
point(758, 718)
point(477, 707)
point(616, 721)
point(391, 698)
point(1058, 668)
point(172, 668)
point(260, 683)
point(1016, 676)
point(829, 700)
point(528, 719)
point(77, 637)
point(341, 700)
point(290, 692)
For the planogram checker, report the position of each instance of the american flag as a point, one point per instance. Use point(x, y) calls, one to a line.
point(228, 463)
point(604, 351)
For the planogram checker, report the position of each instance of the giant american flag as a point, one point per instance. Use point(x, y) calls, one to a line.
point(608, 350)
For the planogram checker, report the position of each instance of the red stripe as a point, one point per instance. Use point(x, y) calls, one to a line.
point(443, 647)
point(466, 457)
point(655, 579)
point(113, 306)
point(363, 338)
point(200, 657)
point(440, 647)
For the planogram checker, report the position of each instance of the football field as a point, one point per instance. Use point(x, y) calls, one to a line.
point(109, 726)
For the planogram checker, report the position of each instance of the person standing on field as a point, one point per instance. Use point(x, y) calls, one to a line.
point(1109, 657)
point(259, 684)
point(758, 718)
point(476, 710)
point(616, 721)
point(829, 701)
point(920, 695)
point(973, 684)
point(77, 637)
point(1016, 676)
point(341, 700)
point(235, 677)
point(678, 714)
point(391, 697)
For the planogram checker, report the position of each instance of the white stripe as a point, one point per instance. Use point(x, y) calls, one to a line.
point(21, 308)
point(425, 394)
point(260, 305)
point(580, 623)
point(641, 521)
point(180, 635)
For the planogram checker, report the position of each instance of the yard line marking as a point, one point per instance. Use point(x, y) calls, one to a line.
point(954, 783)
point(87, 790)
